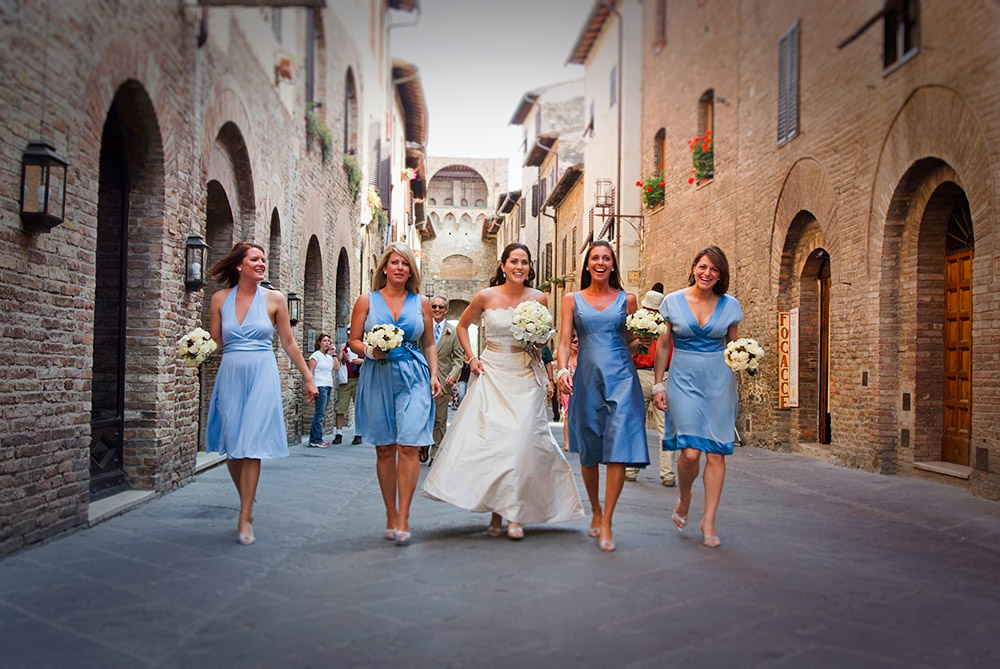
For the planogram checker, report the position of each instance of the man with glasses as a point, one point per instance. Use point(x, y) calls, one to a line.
point(450, 359)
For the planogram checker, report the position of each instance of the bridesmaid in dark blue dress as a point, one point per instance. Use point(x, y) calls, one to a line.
point(394, 405)
point(607, 423)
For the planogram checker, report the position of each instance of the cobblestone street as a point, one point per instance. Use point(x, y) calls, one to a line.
point(820, 566)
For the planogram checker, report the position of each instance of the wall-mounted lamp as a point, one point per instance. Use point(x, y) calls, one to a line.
point(604, 193)
point(43, 187)
point(294, 307)
point(266, 283)
point(194, 262)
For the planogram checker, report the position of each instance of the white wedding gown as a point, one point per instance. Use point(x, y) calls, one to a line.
point(498, 455)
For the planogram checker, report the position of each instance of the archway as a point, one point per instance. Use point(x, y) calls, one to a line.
point(274, 250)
point(344, 303)
point(130, 202)
point(804, 291)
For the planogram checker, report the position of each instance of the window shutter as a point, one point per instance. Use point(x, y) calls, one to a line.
point(385, 185)
point(788, 84)
point(614, 86)
point(534, 201)
point(374, 150)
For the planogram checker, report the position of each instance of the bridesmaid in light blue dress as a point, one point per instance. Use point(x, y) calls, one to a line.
point(700, 393)
point(607, 423)
point(245, 417)
point(394, 407)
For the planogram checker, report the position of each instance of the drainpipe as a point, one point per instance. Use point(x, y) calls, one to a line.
point(618, 176)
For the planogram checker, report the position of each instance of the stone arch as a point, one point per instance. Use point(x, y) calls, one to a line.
point(449, 219)
point(465, 221)
point(933, 150)
point(804, 285)
point(127, 288)
point(312, 293)
point(457, 183)
point(806, 187)
point(457, 267)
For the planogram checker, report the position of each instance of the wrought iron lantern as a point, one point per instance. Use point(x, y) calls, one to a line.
point(194, 262)
point(604, 193)
point(266, 283)
point(43, 187)
point(294, 306)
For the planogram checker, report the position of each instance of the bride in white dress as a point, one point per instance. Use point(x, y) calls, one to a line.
point(498, 455)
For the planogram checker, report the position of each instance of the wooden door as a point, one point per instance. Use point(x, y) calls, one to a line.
point(824, 359)
point(957, 358)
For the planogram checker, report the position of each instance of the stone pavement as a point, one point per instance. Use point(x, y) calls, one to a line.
point(820, 567)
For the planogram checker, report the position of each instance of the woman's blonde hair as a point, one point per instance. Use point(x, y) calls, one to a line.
point(399, 248)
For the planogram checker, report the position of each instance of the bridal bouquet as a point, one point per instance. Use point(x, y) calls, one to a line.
point(384, 337)
point(744, 354)
point(196, 347)
point(531, 324)
point(645, 324)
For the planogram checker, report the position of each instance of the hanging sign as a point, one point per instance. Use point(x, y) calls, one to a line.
point(793, 362)
point(784, 360)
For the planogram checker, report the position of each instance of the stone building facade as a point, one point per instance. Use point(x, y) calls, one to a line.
point(457, 259)
point(856, 159)
point(175, 120)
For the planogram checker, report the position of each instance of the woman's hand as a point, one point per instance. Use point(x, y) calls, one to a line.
point(476, 366)
point(566, 383)
point(435, 387)
point(311, 390)
point(550, 390)
point(660, 400)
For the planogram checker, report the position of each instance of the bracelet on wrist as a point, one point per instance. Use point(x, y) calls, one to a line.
point(369, 351)
point(560, 372)
point(659, 388)
point(471, 358)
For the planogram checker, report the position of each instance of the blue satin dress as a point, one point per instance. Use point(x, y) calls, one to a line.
point(394, 404)
point(606, 410)
point(701, 389)
point(245, 417)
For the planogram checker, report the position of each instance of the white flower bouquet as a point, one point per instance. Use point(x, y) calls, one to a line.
point(384, 337)
point(196, 347)
point(645, 324)
point(744, 354)
point(531, 324)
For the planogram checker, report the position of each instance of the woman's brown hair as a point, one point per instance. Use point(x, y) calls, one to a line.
point(225, 271)
point(319, 338)
point(718, 259)
point(613, 279)
point(500, 278)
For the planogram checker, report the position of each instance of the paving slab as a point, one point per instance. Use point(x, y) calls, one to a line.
point(821, 566)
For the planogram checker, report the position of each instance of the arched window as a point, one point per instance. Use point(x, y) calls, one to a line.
point(659, 144)
point(432, 202)
point(350, 115)
point(480, 203)
point(706, 108)
point(448, 202)
point(465, 203)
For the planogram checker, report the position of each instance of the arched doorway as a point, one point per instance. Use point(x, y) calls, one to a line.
point(957, 402)
point(274, 250)
point(804, 292)
point(312, 298)
point(130, 191)
point(344, 304)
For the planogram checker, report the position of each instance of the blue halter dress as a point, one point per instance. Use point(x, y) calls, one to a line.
point(245, 417)
point(394, 404)
point(607, 417)
point(701, 389)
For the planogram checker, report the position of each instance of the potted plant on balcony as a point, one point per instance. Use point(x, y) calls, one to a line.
point(653, 189)
point(703, 164)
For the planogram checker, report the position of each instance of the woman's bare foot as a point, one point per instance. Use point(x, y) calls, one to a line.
point(514, 530)
point(708, 536)
point(606, 541)
point(496, 526)
point(680, 521)
point(595, 525)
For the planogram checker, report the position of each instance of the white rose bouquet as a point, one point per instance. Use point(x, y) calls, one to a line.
point(645, 324)
point(531, 324)
point(196, 347)
point(744, 355)
point(384, 337)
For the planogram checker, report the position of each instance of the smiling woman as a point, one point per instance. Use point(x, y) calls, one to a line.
point(246, 421)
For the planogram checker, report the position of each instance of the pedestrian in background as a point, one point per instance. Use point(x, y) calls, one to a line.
point(450, 362)
point(548, 361)
point(700, 393)
point(605, 405)
point(346, 392)
point(654, 415)
point(574, 348)
point(246, 421)
point(322, 365)
point(394, 407)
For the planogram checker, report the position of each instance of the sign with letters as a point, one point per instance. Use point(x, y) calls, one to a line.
point(784, 359)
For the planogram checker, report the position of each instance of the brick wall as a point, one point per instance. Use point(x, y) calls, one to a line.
point(880, 151)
